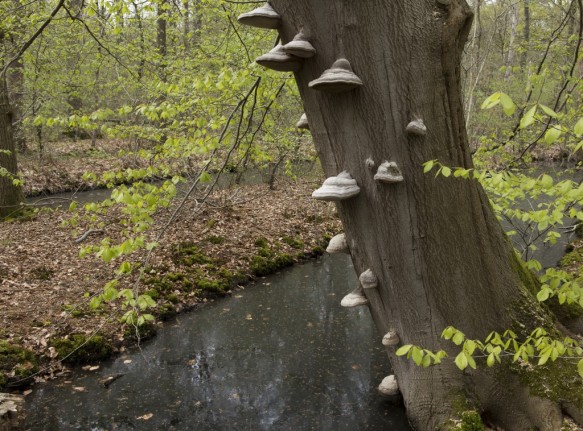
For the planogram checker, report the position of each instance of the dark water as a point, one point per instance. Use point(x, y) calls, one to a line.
point(282, 355)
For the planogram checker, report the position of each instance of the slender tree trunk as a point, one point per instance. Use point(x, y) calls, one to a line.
point(510, 54)
point(526, 34)
point(161, 39)
point(439, 253)
point(16, 85)
point(11, 196)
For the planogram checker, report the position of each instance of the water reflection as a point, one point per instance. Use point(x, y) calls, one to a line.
point(280, 356)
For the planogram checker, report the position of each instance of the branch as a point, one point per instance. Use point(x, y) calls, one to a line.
point(96, 39)
point(30, 41)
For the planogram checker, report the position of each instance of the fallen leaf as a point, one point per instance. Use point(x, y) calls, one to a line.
point(27, 392)
point(79, 389)
point(146, 417)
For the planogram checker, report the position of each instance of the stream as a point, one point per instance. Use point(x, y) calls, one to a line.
point(279, 355)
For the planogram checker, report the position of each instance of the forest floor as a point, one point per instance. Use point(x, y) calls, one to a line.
point(46, 321)
point(45, 287)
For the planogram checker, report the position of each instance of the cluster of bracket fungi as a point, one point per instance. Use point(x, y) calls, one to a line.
point(339, 78)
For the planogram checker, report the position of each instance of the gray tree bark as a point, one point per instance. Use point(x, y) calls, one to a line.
point(439, 253)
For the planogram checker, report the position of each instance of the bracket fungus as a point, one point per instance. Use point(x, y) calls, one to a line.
point(354, 299)
point(262, 17)
point(391, 338)
point(337, 188)
point(389, 386)
point(338, 244)
point(277, 59)
point(303, 122)
point(389, 172)
point(369, 162)
point(368, 280)
point(300, 47)
point(338, 79)
point(416, 127)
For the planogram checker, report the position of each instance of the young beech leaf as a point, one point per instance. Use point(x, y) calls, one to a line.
point(548, 111)
point(580, 367)
point(528, 118)
point(552, 135)
point(461, 361)
point(507, 104)
point(491, 360)
point(427, 166)
point(491, 100)
point(578, 129)
point(403, 350)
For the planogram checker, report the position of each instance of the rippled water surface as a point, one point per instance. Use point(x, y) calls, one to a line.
point(282, 355)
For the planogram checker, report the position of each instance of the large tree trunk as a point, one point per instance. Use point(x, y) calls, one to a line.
point(10, 195)
point(439, 253)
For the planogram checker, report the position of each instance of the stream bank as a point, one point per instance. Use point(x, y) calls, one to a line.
point(45, 287)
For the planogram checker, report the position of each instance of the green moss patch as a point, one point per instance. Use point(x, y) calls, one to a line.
point(188, 254)
point(16, 363)
point(79, 348)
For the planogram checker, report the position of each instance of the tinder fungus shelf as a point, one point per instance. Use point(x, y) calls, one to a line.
point(391, 338)
point(368, 280)
point(338, 79)
point(262, 17)
point(355, 298)
point(416, 128)
point(389, 172)
point(300, 47)
point(303, 122)
point(277, 59)
point(338, 244)
point(337, 188)
point(389, 386)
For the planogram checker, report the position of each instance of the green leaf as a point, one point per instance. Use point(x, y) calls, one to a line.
point(580, 367)
point(491, 360)
point(205, 177)
point(461, 361)
point(507, 104)
point(548, 111)
point(543, 295)
point(445, 171)
point(552, 135)
point(95, 302)
point(578, 129)
point(491, 101)
point(426, 361)
point(458, 338)
point(417, 355)
point(403, 350)
point(471, 360)
point(528, 118)
point(427, 166)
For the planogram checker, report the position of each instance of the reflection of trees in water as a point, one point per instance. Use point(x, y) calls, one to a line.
point(300, 362)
